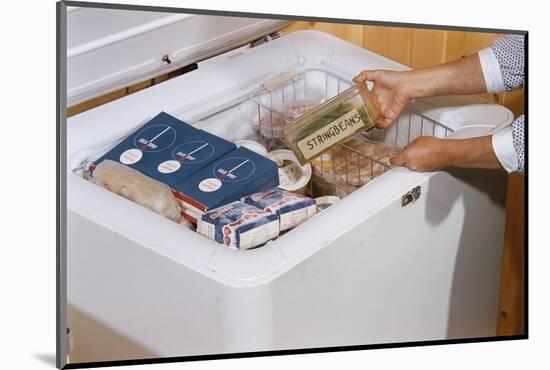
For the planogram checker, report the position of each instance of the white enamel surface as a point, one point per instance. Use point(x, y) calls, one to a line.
point(108, 49)
point(365, 270)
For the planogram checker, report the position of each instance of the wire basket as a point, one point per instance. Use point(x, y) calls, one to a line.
point(262, 115)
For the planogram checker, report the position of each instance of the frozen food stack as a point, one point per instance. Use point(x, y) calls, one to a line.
point(203, 170)
point(236, 174)
point(292, 209)
point(239, 225)
point(168, 150)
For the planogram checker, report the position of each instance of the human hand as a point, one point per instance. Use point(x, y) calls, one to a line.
point(424, 154)
point(392, 91)
point(427, 153)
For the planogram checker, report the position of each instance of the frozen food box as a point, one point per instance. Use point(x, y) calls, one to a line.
point(292, 209)
point(148, 142)
point(225, 180)
point(337, 120)
point(190, 153)
point(168, 150)
point(239, 225)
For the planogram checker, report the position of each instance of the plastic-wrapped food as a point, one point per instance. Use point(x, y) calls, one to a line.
point(331, 123)
point(272, 123)
point(137, 187)
point(355, 162)
point(293, 209)
point(239, 225)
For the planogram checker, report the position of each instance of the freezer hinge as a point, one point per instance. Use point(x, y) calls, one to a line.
point(263, 40)
point(410, 196)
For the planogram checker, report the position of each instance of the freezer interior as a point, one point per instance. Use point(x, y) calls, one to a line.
point(254, 115)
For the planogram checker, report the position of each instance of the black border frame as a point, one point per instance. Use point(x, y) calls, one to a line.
point(61, 184)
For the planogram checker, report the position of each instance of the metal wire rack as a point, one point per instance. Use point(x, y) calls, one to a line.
point(349, 165)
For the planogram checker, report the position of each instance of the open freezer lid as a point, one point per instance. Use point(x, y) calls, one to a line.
point(108, 49)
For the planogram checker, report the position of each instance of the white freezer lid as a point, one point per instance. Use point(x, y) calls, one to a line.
point(108, 49)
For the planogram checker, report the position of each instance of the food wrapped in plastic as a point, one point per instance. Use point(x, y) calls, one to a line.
point(292, 209)
point(274, 119)
point(137, 187)
point(355, 162)
point(239, 225)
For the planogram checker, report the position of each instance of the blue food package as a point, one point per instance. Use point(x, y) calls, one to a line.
point(148, 141)
point(239, 225)
point(168, 149)
point(190, 153)
point(292, 209)
point(225, 180)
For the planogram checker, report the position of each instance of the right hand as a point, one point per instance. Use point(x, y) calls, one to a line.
point(392, 91)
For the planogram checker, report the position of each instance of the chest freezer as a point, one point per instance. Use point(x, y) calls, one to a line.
point(404, 256)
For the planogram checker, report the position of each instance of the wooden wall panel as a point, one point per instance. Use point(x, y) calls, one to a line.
point(89, 104)
point(512, 295)
point(298, 26)
point(140, 86)
point(349, 32)
point(460, 44)
point(391, 42)
point(427, 47)
point(515, 101)
point(355, 34)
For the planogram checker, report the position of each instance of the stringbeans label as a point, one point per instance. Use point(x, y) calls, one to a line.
point(331, 134)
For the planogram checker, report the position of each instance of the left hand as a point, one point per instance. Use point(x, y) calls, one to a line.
point(425, 154)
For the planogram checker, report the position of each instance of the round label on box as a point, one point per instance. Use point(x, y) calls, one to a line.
point(210, 185)
point(193, 152)
point(155, 138)
point(234, 169)
point(169, 166)
point(131, 156)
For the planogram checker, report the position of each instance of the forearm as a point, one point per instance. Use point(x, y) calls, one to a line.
point(475, 152)
point(463, 76)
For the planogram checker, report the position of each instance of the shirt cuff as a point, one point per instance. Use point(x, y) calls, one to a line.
point(491, 71)
point(503, 145)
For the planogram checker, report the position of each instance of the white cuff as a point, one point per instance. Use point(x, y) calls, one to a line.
point(503, 145)
point(491, 71)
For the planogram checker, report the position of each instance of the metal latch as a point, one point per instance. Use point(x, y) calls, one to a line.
point(270, 37)
point(166, 59)
point(410, 196)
